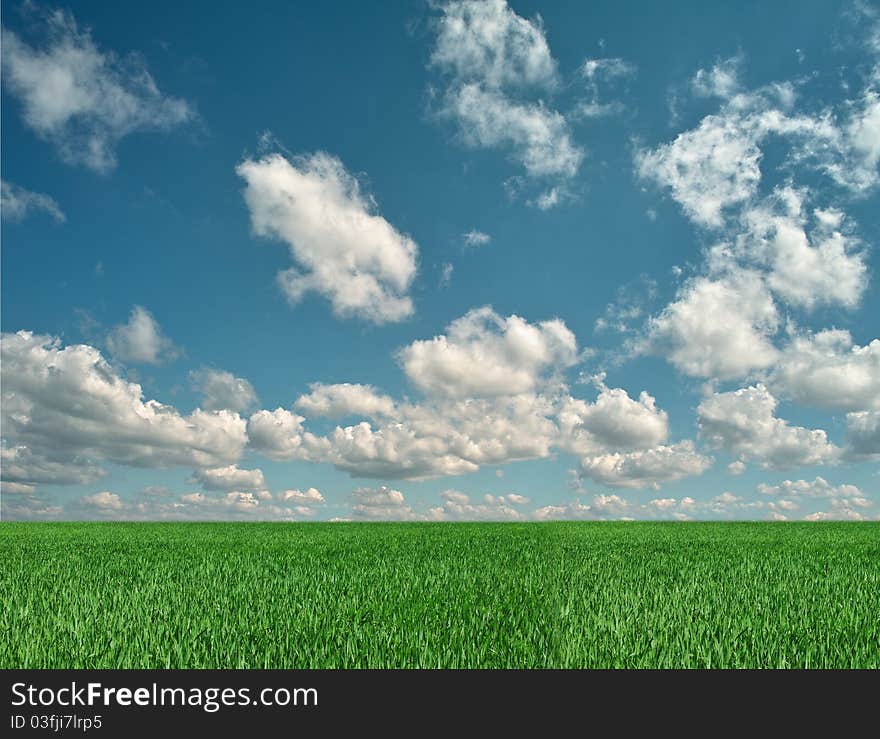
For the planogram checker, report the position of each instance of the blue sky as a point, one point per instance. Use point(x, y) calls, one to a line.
point(465, 260)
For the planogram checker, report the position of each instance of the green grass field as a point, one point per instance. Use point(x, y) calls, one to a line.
point(110, 595)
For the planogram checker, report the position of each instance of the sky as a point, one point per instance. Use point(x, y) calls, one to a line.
point(467, 260)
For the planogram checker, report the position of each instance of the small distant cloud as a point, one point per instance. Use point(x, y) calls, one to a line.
point(475, 238)
point(17, 203)
point(446, 274)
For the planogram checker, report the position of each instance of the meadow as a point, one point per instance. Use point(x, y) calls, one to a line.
point(468, 595)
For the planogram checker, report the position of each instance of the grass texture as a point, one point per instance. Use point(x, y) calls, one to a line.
point(470, 595)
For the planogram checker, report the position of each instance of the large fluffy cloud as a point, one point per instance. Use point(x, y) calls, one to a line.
point(717, 327)
point(810, 259)
point(484, 354)
point(230, 477)
point(343, 249)
point(827, 369)
point(744, 423)
point(863, 435)
point(646, 468)
point(80, 98)
point(344, 399)
point(66, 406)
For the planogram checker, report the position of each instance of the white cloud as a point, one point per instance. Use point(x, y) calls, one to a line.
point(309, 497)
point(17, 203)
point(345, 399)
point(229, 478)
point(475, 238)
point(828, 370)
point(221, 389)
point(574, 511)
point(494, 395)
point(718, 328)
point(744, 423)
point(448, 438)
point(607, 67)
point(841, 509)
point(81, 99)
point(141, 340)
point(277, 434)
point(818, 488)
point(457, 506)
point(613, 422)
point(22, 466)
point(863, 136)
point(342, 248)
point(537, 136)
point(69, 411)
point(485, 41)
point(492, 59)
point(15, 488)
point(596, 72)
point(716, 165)
point(484, 354)
point(446, 274)
point(825, 266)
point(736, 468)
point(647, 467)
point(381, 503)
point(104, 500)
point(721, 80)
point(863, 435)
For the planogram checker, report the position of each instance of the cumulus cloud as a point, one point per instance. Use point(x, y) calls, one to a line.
point(381, 503)
point(863, 435)
point(17, 203)
point(23, 466)
point(105, 500)
point(825, 265)
point(646, 468)
point(141, 340)
point(342, 248)
point(276, 434)
point(537, 136)
point(716, 165)
point(827, 369)
point(457, 506)
point(614, 421)
point(492, 59)
point(484, 354)
point(744, 423)
point(818, 488)
point(486, 41)
point(345, 399)
point(65, 411)
point(221, 389)
point(494, 394)
point(229, 478)
point(716, 327)
point(80, 98)
point(309, 497)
